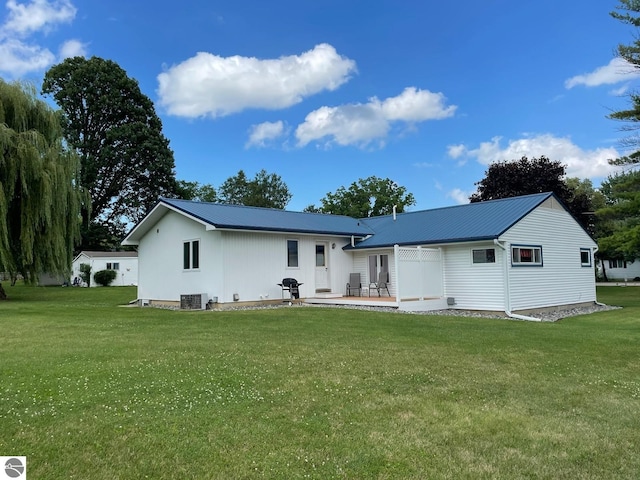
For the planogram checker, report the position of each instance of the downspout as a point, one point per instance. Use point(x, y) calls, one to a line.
point(396, 267)
point(507, 288)
point(593, 255)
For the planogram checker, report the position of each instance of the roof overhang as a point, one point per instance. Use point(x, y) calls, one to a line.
point(154, 216)
point(426, 243)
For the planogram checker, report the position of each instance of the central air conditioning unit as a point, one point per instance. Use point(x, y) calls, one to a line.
point(193, 301)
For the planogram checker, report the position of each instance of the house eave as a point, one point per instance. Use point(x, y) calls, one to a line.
point(425, 243)
point(156, 213)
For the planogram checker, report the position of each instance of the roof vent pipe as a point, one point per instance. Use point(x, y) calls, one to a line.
point(394, 213)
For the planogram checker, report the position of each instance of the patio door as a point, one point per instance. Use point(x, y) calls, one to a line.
point(378, 264)
point(322, 267)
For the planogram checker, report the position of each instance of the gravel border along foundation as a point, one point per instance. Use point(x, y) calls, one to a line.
point(545, 316)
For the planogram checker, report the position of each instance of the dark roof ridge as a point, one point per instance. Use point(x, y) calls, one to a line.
point(272, 209)
point(448, 207)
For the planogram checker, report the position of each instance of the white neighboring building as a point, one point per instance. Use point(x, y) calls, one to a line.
point(124, 263)
point(620, 270)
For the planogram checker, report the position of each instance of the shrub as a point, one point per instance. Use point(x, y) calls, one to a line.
point(105, 277)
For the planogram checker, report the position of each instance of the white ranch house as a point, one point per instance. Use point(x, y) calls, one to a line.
point(124, 263)
point(511, 255)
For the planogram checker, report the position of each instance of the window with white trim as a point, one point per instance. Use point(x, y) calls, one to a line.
point(484, 255)
point(292, 254)
point(585, 257)
point(526, 256)
point(113, 266)
point(617, 264)
point(191, 255)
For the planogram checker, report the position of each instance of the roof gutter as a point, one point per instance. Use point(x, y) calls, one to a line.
point(507, 288)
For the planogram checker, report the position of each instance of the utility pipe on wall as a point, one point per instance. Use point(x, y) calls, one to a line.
point(507, 287)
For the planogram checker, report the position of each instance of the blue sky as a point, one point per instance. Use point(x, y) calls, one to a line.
point(325, 93)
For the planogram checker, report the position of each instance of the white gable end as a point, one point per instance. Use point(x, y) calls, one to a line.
point(562, 278)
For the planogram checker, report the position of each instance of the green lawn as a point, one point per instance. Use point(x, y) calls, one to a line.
point(93, 390)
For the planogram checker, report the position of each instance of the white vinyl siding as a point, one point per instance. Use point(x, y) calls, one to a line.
point(473, 286)
point(161, 259)
point(562, 279)
point(254, 264)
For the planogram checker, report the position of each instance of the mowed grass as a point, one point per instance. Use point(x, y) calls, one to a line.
point(93, 390)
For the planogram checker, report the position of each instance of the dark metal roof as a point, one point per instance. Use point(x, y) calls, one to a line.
point(95, 254)
point(238, 217)
point(461, 223)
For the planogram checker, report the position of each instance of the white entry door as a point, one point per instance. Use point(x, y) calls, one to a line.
point(322, 267)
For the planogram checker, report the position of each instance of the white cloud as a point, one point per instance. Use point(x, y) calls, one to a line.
point(414, 105)
point(580, 163)
point(19, 58)
point(360, 124)
point(456, 151)
point(20, 55)
point(459, 196)
point(347, 125)
point(72, 48)
point(26, 18)
point(620, 91)
point(210, 85)
point(263, 132)
point(616, 71)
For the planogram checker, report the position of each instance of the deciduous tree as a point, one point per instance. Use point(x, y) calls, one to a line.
point(537, 175)
point(265, 190)
point(126, 162)
point(39, 194)
point(521, 177)
point(367, 197)
point(196, 191)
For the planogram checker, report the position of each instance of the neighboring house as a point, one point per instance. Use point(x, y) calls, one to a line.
point(509, 255)
point(124, 263)
point(620, 270)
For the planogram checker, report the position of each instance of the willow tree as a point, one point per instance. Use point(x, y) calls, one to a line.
point(39, 197)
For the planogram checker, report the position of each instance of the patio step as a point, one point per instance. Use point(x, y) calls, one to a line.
point(327, 295)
